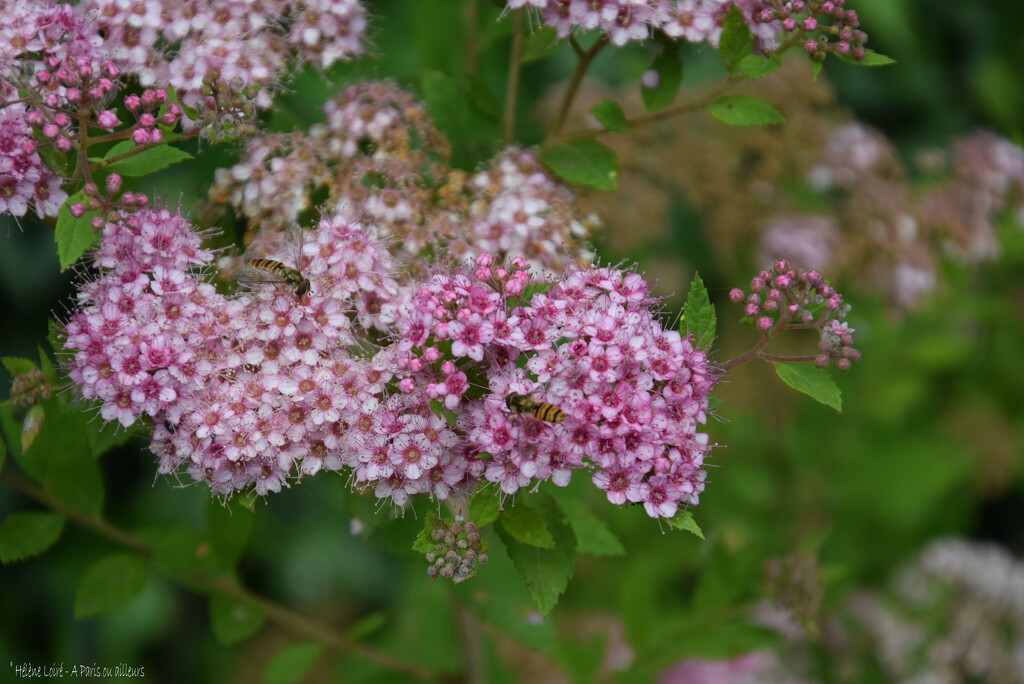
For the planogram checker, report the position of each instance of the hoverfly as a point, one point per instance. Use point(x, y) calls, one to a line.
point(259, 271)
point(541, 410)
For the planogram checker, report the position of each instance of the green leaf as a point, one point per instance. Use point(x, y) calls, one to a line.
point(585, 162)
point(24, 535)
point(368, 626)
point(526, 525)
point(424, 542)
point(149, 160)
point(230, 528)
point(683, 520)
point(74, 236)
point(530, 290)
point(736, 41)
point(484, 507)
point(812, 381)
point(496, 30)
point(3, 452)
point(105, 436)
point(441, 411)
point(233, 620)
point(481, 96)
point(699, 314)
point(11, 441)
point(743, 110)
point(669, 66)
point(60, 459)
point(871, 59)
point(109, 583)
point(438, 39)
point(437, 407)
point(545, 571)
point(610, 115)
point(816, 66)
point(187, 555)
point(292, 663)
point(593, 537)
point(30, 428)
point(584, 658)
point(17, 365)
point(474, 134)
point(46, 365)
point(539, 44)
point(759, 66)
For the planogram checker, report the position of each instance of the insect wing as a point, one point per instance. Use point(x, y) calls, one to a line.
point(294, 235)
point(250, 276)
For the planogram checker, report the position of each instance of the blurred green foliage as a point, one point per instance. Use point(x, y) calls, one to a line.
point(928, 443)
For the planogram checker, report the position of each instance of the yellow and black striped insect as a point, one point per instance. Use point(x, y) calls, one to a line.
point(541, 410)
point(259, 271)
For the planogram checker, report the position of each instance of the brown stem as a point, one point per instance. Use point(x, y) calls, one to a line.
point(97, 525)
point(302, 626)
point(514, 68)
point(785, 359)
point(471, 632)
point(755, 351)
point(747, 355)
point(83, 173)
point(471, 21)
point(288, 619)
point(585, 58)
point(666, 113)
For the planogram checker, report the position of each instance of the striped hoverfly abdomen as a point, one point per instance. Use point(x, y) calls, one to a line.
point(541, 410)
point(259, 271)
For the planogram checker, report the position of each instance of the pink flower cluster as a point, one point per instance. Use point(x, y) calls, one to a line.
point(139, 336)
point(241, 391)
point(622, 21)
point(72, 50)
point(379, 133)
point(232, 40)
point(808, 240)
point(246, 392)
point(515, 207)
point(632, 394)
point(372, 131)
point(787, 297)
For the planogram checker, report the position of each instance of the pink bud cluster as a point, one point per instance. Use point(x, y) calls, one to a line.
point(840, 35)
point(787, 297)
point(108, 204)
point(457, 550)
point(632, 393)
point(145, 108)
point(25, 181)
point(57, 63)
